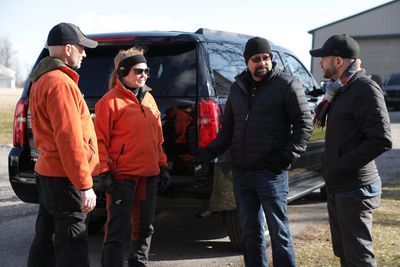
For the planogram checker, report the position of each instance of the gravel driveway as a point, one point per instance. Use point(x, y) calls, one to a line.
point(302, 214)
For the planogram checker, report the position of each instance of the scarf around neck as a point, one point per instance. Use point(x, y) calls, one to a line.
point(332, 87)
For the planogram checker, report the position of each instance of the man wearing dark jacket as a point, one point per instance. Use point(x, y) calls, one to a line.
point(357, 131)
point(267, 123)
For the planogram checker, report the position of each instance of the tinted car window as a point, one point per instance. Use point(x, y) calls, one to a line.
point(277, 59)
point(172, 70)
point(226, 60)
point(99, 67)
point(299, 72)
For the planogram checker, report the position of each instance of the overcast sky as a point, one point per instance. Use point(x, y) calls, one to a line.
point(26, 23)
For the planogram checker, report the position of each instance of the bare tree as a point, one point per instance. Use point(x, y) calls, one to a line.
point(8, 59)
point(7, 53)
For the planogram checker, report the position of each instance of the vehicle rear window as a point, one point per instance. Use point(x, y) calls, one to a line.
point(226, 60)
point(172, 70)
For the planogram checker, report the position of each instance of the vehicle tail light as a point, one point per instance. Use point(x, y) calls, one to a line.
point(209, 121)
point(20, 121)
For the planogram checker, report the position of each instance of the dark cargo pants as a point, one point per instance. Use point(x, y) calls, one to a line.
point(351, 224)
point(130, 212)
point(61, 228)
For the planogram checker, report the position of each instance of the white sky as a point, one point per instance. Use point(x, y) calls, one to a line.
point(26, 23)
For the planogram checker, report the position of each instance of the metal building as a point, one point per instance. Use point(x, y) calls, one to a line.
point(376, 30)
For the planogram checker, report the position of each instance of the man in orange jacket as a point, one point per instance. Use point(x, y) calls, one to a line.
point(65, 137)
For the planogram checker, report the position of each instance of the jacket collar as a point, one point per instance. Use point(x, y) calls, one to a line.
point(245, 81)
point(121, 88)
point(52, 63)
point(355, 77)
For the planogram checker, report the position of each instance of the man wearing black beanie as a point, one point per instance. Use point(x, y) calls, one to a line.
point(266, 124)
point(256, 45)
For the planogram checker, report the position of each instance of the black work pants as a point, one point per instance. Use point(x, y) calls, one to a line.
point(61, 227)
point(130, 211)
point(351, 224)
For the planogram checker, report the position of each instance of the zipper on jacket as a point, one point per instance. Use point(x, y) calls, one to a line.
point(120, 153)
point(91, 149)
point(140, 97)
point(141, 107)
point(250, 95)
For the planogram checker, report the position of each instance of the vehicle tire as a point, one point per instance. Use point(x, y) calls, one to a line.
point(233, 229)
point(96, 225)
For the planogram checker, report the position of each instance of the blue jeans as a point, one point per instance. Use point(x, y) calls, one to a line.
point(263, 189)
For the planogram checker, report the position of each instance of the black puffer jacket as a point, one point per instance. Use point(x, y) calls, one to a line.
point(358, 131)
point(265, 120)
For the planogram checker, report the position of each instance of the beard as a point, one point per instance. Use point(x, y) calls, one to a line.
point(329, 73)
point(260, 72)
point(329, 70)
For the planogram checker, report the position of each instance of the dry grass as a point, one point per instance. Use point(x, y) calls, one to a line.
point(8, 99)
point(313, 247)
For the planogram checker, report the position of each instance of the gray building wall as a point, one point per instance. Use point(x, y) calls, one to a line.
point(377, 31)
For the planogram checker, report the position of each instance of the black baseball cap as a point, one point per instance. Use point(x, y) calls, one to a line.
point(68, 33)
point(338, 45)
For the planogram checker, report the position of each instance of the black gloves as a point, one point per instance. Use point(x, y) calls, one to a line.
point(165, 179)
point(106, 181)
point(202, 155)
point(279, 163)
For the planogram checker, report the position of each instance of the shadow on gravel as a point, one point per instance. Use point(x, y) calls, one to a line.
point(185, 236)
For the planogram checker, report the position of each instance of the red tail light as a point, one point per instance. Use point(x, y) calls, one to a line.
point(20, 121)
point(209, 117)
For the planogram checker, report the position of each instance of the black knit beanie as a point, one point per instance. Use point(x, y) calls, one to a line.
point(256, 45)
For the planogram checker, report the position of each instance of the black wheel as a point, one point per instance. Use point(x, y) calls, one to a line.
point(96, 225)
point(233, 229)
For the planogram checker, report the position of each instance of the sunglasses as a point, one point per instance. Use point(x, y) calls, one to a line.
point(260, 58)
point(139, 71)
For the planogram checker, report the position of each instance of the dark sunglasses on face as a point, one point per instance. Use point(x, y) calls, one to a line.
point(258, 59)
point(139, 71)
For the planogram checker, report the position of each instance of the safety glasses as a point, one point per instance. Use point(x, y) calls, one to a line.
point(139, 71)
point(258, 59)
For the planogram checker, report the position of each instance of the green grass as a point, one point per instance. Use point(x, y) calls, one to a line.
point(6, 124)
point(313, 247)
point(8, 99)
point(318, 134)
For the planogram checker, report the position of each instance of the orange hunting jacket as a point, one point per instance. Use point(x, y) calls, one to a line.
point(129, 133)
point(62, 127)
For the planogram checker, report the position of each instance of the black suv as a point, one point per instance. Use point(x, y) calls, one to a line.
point(191, 74)
point(391, 90)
